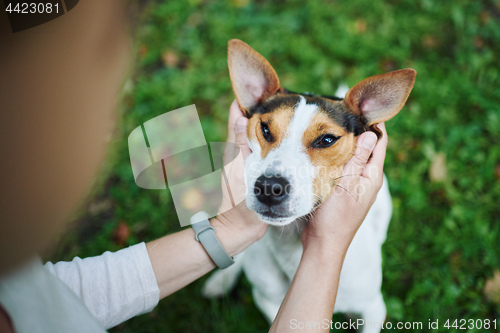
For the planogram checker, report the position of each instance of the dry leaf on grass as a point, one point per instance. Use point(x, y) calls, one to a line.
point(170, 58)
point(437, 171)
point(492, 288)
point(143, 51)
point(121, 234)
point(430, 42)
point(360, 26)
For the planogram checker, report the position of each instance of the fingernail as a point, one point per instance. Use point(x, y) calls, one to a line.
point(241, 125)
point(369, 141)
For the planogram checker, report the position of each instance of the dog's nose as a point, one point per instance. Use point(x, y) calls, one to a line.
point(271, 190)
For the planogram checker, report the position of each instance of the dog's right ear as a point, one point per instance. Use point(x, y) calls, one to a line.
point(252, 76)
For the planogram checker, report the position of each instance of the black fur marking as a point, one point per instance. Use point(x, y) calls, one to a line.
point(307, 94)
point(337, 112)
point(329, 104)
point(277, 101)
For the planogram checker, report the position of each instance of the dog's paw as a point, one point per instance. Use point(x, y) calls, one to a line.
point(217, 285)
point(222, 281)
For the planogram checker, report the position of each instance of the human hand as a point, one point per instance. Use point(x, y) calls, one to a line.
point(233, 213)
point(336, 221)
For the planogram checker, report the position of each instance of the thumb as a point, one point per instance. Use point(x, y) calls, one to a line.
point(234, 113)
point(241, 136)
point(365, 144)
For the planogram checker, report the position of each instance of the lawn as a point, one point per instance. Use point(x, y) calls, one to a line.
point(443, 159)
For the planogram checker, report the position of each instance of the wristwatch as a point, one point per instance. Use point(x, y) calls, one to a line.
point(205, 234)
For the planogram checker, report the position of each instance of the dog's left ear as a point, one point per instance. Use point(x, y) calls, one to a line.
point(252, 76)
point(381, 97)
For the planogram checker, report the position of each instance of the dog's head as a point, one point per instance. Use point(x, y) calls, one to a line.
point(301, 142)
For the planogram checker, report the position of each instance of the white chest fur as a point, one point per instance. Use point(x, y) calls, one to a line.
point(271, 263)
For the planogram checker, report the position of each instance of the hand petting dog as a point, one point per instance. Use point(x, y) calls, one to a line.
point(341, 215)
point(312, 293)
point(234, 213)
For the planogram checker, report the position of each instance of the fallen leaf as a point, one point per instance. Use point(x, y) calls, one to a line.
point(401, 156)
point(455, 262)
point(478, 42)
point(360, 25)
point(484, 17)
point(492, 288)
point(430, 42)
point(240, 3)
point(121, 234)
point(170, 58)
point(437, 171)
point(143, 50)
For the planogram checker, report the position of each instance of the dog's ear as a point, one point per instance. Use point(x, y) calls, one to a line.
point(381, 97)
point(252, 76)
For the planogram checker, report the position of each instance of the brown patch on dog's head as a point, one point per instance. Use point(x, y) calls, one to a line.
point(276, 115)
point(329, 162)
point(276, 122)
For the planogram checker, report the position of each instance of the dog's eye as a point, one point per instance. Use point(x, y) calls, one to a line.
point(266, 132)
point(325, 141)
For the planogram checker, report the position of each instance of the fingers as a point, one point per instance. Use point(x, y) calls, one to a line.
point(234, 113)
point(236, 135)
point(365, 144)
point(235, 166)
point(241, 136)
point(376, 164)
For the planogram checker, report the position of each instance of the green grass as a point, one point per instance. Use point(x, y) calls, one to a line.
point(443, 241)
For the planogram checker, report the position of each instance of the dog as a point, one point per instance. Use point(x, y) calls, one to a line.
point(300, 143)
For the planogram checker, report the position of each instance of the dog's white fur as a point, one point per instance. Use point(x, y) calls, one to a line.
point(289, 161)
point(271, 263)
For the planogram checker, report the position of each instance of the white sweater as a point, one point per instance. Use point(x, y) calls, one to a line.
point(103, 292)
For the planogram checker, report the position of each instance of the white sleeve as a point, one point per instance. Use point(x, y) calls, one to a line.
point(114, 286)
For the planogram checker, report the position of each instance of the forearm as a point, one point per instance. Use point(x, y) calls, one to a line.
point(178, 259)
point(312, 293)
point(114, 286)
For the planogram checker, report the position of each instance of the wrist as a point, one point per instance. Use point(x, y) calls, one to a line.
point(234, 240)
point(239, 228)
point(326, 249)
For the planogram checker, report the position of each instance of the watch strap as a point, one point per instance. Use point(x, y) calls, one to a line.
point(205, 234)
